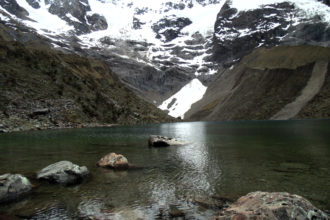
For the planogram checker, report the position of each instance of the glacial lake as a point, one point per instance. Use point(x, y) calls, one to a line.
point(227, 159)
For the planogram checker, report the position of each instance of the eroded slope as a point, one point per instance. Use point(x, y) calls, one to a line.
point(267, 81)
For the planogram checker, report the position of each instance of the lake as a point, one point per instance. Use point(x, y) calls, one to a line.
point(226, 159)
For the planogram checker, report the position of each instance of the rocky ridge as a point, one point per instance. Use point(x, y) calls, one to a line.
point(283, 82)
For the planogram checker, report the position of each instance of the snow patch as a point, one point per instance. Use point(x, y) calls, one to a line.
point(43, 20)
point(72, 18)
point(180, 103)
point(310, 8)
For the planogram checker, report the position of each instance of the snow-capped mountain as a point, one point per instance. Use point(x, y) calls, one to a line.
point(240, 27)
point(176, 31)
point(159, 47)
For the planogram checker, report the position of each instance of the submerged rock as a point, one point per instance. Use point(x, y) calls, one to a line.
point(13, 187)
point(174, 212)
point(272, 206)
point(63, 172)
point(162, 141)
point(114, 161)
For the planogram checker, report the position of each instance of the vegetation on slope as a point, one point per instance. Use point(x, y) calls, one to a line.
point(42, 88)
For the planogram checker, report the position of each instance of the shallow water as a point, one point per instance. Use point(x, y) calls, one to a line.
point(227, 159)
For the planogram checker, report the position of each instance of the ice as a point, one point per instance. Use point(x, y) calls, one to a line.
point(189, 94)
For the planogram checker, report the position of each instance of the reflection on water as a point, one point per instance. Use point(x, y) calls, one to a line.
point(194, 157)
point(229, 159)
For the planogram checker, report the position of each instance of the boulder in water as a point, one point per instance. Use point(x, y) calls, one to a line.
point(13, 187)
point(162, 141)
point(114, 161)
point(272, 206)
point(63, 172)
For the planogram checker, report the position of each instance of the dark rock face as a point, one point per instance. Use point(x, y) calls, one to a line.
point(78, 10)
point(13, 187)
point(153, 85)
point(170, 28)
point(12, 7)
point(97, 22)
point(316, 33)
point(137, 24)
point(34, 3)
point(272, 206)
point(63, 172)
point(236, 34)
point(327, 2)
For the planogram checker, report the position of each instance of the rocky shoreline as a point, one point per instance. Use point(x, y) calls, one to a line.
point(36, 126)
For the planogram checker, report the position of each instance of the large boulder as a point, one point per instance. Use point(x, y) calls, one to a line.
point(113, 161)
point(272, 206)
point(13, 187)
point(162, 141)
point(63, 172)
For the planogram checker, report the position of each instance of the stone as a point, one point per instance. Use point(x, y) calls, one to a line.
point(208, 203)
point(174, 212)
point(13, 187)
point(162, 141)
point(271, 206)
point(114, 161)
point(63, 172)
point(41, 111)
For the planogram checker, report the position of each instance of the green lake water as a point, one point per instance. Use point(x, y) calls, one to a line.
point(228, 159)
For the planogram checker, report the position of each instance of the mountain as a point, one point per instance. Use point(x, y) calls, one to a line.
point(280, 83)
point(43, 88)
point(239, 28)
point(160, 48)
point(154, 47)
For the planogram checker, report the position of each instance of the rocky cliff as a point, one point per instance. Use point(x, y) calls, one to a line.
point(283, 82)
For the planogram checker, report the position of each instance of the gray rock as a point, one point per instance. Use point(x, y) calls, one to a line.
point(272, 206)
point(97, 22)
point(170, 27)
point(63, 172)
point(33, 3)
point(40, 111)
point(162, 141)
point(13, 187)
point(14, 8)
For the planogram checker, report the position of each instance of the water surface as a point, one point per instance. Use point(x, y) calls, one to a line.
point(228, 159)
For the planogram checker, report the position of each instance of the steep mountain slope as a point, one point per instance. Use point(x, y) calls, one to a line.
point(168, 38)
point(279, 83)
point(157, 48)
point(42, 88)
